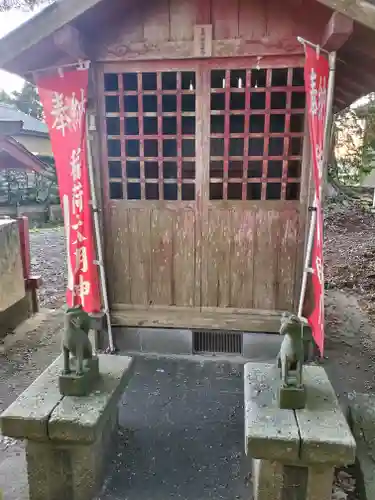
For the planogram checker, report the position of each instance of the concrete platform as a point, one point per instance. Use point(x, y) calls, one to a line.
point(361, 415)
point(181, 434)
point(68, 438)
point(294, 452)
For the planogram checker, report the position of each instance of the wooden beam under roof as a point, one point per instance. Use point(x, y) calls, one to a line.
point(359, 10)
point(44, 24)
point(338, 30)
point(71, 42)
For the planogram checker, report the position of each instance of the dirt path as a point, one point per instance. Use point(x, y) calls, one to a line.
point(350, 306)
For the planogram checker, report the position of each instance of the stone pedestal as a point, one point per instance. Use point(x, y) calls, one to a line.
point(292, 397)
point(71, 384)
point(294, 452)
point(68, 438)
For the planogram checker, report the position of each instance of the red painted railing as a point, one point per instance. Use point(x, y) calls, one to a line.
point(23, 226)
point(32, 283)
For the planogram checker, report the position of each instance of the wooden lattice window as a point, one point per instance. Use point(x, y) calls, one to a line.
point(150, 122)
point(257, 129)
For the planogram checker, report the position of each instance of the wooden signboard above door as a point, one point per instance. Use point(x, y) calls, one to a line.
point(203, 40)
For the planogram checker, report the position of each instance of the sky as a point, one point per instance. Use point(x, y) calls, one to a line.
point(8, 22)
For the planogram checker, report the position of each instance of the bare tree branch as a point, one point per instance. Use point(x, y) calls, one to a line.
point(6, 5)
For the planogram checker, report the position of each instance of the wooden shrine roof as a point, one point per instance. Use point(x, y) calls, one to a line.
point(76, 25)
point(15, 155)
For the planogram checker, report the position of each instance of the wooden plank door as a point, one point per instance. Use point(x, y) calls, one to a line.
point(151, 207)
point(202, 172)
point(251, 216)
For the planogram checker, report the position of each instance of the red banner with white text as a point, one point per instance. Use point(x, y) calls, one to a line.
point(64, 99)
point(316, 83)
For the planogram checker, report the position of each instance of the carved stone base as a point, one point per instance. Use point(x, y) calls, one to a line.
point(80, 385)
point(292, 398)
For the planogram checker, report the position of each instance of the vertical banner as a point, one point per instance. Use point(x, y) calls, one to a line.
point(316, 83)
point(64, 99)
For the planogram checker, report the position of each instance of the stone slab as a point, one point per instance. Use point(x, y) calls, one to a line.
point(81, 419)
point(28, 416)
point(270, 433)
point(361, 415)
point(325, 433)
point(12, 287)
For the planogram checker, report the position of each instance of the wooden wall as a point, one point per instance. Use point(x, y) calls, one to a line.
point(249, 256)
point(205, 257)
point(150, 29)
point(153, 256)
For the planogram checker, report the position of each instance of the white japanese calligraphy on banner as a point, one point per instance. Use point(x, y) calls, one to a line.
point(67, 112)
point(64, 100)
point(316, 80)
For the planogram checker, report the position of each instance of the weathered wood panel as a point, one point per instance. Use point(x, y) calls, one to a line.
point(165, 29)
point(207, 318)
point(265, 258)
point(151, 256)
point(156, 20)
point(224, 17)
point(203, 11)
point(250, 257)
point(117, 256)
point(242, 258)
point(139, 243)
point(182, 20)
point(216, 243)
point(280, 22)
point(185, 275)
point(161, 289)
point(287, 260)
point(131, 28)
point(252, 19)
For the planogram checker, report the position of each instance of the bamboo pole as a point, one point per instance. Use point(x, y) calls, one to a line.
point(99, 247)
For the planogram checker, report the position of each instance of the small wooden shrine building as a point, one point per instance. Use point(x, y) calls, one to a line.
point(202, 156)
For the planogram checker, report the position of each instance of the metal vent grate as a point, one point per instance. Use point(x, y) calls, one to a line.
point(217, 342)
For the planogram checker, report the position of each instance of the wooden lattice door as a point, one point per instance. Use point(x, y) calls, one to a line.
point(251, 233)
point(150, 130)
point(202, 172)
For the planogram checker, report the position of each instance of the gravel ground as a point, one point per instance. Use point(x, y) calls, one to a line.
point(48, 261)
point(349, 252)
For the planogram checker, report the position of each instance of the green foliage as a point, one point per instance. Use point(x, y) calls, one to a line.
point(18, 187)
point(26, 101)
point(354, 143)
point(5, 98)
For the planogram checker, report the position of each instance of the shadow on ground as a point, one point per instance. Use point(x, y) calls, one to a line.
point(181, 434)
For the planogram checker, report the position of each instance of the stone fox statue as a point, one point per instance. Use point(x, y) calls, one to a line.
point(75, 339)
point(291, 353)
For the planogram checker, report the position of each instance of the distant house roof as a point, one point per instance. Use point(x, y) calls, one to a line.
point(15, 156)
point(30, 124)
